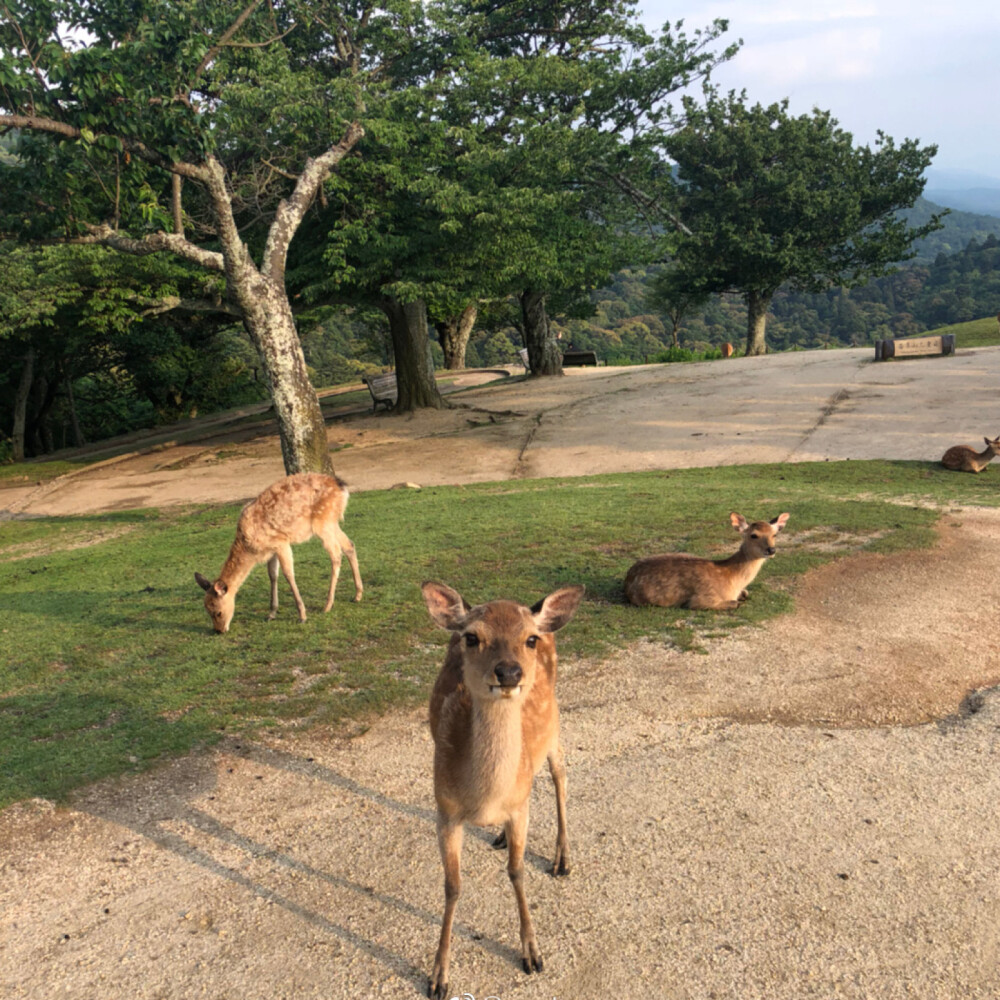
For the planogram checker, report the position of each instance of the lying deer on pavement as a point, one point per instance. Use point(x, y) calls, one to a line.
point(494, 720)
point(678, 580)
point(962, 458)
point(290, 511)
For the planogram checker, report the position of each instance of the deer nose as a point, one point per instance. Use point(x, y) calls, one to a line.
point(770, 550)
point(508, 674)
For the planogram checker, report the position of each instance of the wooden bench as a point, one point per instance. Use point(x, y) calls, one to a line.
point(576, 358)
point(909, 347)
point(383, 389)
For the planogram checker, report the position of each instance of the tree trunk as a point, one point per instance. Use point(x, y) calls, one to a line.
point(757, 306)
point(21, 404)
point(415, 382)
point(454, 333)
point(39, 429)
point(269, 321)
point(78, 438)
point(544, 356)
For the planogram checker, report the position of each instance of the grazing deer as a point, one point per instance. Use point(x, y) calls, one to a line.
point(678, 580)
point(963, 458)
point(494, 720)
point(290, 511)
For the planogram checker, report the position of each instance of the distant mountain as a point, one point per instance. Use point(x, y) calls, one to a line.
point(959, 228)
point(965, 190)
point(985, 201)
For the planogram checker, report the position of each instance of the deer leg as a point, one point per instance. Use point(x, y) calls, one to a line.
point(450, 843)
point(329, 540)
point(517, 834)
point(272, 572)
point(284, 557)
point(557, 768)
point(352, 557)
point(702, 604)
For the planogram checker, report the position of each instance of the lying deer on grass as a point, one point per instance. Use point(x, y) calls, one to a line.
point(963, 458)
point(678, 580)
point(290, 511)
point(494, 720)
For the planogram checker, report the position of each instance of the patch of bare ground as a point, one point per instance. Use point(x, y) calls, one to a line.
point(847, 852)
point(71, 539)
point(874, 641)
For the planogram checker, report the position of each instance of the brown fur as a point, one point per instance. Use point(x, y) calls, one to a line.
point(963, 458)
point(681, 580)
point(287, 513)
point(495, 720)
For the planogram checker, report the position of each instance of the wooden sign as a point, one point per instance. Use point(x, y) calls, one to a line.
point(914, 346)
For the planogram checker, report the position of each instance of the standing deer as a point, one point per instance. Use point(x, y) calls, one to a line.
point(494, 720)
point(963, 458)
point(290, 511)
point(678, 580)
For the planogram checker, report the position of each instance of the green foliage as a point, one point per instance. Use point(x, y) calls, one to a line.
point(108, 664)
point(82, 311)
point(773, 199)
point(673, 354)
point(498, 158)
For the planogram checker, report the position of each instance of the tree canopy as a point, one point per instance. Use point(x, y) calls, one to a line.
point(771, 199)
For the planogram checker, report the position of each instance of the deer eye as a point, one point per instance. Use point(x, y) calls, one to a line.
point(753, 534)
point(471, 640)
point(531, 641)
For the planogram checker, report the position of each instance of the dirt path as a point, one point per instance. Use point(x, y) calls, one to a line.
point(775, 818)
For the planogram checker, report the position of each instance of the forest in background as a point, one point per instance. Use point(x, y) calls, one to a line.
point(152, 371)
point(954, 277)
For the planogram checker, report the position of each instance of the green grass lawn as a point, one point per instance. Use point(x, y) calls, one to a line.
point(975, 333)
point(107, 662)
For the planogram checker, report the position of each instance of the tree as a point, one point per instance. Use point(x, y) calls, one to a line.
point(512, 160)
point(774, 199)
point(192, 129)
point(85, 350)
point(678, 295)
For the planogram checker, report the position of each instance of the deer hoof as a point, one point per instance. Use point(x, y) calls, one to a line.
point(532, 964)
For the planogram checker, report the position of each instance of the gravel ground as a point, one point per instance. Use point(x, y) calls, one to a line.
point(802, 810)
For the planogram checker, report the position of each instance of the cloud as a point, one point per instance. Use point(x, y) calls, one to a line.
point(839, 54)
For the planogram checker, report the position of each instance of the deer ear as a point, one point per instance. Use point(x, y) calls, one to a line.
point(203, 582)
point(557, 609)
point(779, 522)
point(446, 606)
point(988, 441)
point(738, 521)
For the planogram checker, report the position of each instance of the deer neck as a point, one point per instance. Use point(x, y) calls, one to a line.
point(984, 457)
point(495, 758)
point(742, 567)
point(237, 566)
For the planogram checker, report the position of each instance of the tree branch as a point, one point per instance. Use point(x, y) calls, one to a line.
point(226, 35)
point(291, 210)
point(155, 243)
point(171, 302)
point(36, 124)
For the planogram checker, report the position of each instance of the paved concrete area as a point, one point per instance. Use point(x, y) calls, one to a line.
point(804, 406)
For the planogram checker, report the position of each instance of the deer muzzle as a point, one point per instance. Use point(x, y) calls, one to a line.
point(508, 677)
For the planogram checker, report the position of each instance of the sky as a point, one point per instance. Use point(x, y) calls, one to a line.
point(916, 69)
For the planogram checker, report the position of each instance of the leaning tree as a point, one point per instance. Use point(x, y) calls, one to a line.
point(771, 199)
point(194, 129)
